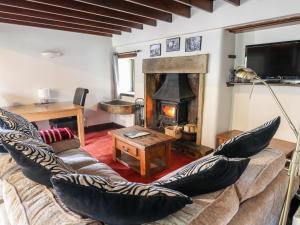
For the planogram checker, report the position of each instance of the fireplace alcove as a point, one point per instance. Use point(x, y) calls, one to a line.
point(195, 69)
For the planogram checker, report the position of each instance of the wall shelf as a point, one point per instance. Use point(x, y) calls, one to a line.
point(231, 84)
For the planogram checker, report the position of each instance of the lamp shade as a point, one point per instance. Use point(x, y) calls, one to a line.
point(44, 95)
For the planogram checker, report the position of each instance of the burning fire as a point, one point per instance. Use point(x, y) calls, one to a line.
point(169, 111)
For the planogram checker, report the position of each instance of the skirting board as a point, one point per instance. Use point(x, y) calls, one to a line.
point(100, 127)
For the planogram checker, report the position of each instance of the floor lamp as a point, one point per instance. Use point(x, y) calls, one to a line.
point(249, 74)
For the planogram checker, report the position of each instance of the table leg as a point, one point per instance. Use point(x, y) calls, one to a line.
point(80, 126)
point(144, 163)
point(168, 154)
point(114, 149)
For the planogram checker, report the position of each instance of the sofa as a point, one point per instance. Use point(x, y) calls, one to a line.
point(255, 199)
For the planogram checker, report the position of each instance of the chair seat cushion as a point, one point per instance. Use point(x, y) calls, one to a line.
point(120, 203)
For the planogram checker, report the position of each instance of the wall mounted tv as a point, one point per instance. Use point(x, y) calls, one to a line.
point(275, 60)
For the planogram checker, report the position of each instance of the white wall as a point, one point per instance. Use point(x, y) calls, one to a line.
point(248, 113)
point(224, 15)
point(218, 44)
point(219, 115)
point(86, 63)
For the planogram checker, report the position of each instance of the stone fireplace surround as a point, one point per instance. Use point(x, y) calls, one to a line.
point(193, 66)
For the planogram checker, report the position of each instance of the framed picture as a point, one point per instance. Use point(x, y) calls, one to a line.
point(193, 44)
point(173, 44)
point(155, 50)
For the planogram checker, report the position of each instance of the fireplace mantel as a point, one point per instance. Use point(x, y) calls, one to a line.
point(182, 64)
point(196, 64)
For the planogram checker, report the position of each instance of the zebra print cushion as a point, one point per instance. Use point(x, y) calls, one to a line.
point(205, 175)
point(12, 121)
point(20, 137)
point(116, 202)
point(36, 160)
point(251, 142)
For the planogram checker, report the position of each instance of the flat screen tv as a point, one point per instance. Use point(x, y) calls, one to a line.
point(275, 60)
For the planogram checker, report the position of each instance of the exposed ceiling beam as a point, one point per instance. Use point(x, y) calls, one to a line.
point(234, 2)
point(43, 15)
point(82, 7)
point(166, 5)
point(128, 7)
point(206, 5)
point(56, 23)
point(68, 13)
point(33, 24)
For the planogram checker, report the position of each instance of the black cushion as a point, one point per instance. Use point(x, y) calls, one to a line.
point(251, 142)
point(116, 203)
point(35, 158)
point(205, 175)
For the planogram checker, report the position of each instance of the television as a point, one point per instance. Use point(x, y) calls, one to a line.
point(279, 61)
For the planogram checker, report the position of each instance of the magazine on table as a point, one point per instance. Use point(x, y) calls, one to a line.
point(135, 134)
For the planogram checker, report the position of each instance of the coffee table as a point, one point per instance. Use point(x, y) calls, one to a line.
point(146, 154)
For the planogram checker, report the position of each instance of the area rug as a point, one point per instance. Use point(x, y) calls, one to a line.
point(99, 145)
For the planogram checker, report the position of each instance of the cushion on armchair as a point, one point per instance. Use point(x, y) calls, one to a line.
point(251, 142)
point(119, 203)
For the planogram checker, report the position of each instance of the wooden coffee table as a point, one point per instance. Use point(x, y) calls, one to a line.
point(144, 154)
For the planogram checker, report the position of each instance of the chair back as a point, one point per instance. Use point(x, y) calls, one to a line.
point(80, 96)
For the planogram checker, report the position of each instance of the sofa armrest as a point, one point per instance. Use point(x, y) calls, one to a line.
point(65, 145)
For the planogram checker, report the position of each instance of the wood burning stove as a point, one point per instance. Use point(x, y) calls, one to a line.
point(172, 99)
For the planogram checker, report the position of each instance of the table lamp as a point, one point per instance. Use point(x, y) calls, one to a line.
point(44, 95)
point(249, 74)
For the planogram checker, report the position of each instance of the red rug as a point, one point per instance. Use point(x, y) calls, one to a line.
point(99, 145)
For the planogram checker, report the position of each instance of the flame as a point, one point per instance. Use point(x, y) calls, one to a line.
point(169, 111)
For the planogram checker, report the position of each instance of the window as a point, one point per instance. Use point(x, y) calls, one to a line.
point(126, 75)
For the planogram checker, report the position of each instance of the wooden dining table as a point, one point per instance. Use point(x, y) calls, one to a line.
point(40, 112)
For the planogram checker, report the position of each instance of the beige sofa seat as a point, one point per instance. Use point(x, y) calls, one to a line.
point(35, 204)
point(84, 163)
point(261, 171)
point(216, 208)
point(265, 208)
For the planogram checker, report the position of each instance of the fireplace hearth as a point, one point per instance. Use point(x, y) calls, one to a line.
point(172, 99)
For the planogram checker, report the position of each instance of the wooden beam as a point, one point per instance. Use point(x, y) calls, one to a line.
point(69, 13)
point(33, 24)
point(55, 23)
point(206, 5)
point(264, 24)
point(167, 5)
point(82, 7)
point(132, 8)
point(43, 15)
point(234, 2)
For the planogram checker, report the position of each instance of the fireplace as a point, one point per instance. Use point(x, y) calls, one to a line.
point(174, 92)
point(172, 99)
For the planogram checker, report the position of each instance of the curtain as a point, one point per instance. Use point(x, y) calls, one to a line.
point(115, 88)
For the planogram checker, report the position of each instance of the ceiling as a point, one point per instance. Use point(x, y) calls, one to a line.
point(98, 17)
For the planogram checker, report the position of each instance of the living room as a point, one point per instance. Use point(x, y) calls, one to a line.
point(50, 48)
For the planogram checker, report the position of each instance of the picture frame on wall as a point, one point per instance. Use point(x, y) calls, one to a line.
point(193, 44)
point(173, 44)
point(155, 50)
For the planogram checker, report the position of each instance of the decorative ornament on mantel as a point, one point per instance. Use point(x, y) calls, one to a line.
point(51, 54)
